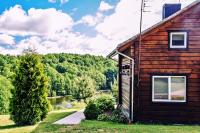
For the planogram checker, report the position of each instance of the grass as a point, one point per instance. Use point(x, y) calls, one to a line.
point(89, 126)
point(8, 126)
point(47, 126)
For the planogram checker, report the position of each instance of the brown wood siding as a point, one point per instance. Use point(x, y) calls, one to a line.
point(157, 58)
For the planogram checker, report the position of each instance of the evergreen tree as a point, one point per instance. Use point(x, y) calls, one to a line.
point(29, 104)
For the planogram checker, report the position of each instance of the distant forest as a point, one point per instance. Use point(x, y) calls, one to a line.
point(63, 70)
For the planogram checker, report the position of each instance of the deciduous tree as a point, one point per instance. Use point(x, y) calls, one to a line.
point(84, 87)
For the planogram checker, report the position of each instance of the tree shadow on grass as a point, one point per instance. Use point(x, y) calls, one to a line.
point(10, 126)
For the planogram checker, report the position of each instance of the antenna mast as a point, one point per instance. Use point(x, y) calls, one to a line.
point(142, 9)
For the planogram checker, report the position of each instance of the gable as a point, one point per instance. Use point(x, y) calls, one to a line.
point(189, 21)
point(180, 20)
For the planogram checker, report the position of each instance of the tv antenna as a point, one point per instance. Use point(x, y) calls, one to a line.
point(144, 5)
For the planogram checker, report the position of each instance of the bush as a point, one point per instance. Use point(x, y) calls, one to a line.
point(99, 105)
point(118, 116)
point(5, 95)
point(58, 107)
point(91, 111)
point(115, 116)
point(29, 103)
point(105, 103)
point(53, 94)
point(115, 90)
point(103, 117)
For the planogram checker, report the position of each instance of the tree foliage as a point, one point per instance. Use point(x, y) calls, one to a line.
point(99, 78)
point(114, 90)
point(83, 88)
point(5, 94)
point(29, 103)
point(62, 70)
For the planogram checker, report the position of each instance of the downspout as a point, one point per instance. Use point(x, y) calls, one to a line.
point(132, 80)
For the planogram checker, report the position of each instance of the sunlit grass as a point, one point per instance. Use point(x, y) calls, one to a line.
point(8, 126)
point(104, 127)
point(48, 126)
point(89, 126)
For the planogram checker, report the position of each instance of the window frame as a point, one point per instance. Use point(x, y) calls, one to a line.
point(169, 90)
point(185, 46)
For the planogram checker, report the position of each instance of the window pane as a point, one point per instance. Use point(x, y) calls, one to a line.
point(178, 36)
point(178, 88)
point(161, 88)
point(178, 40)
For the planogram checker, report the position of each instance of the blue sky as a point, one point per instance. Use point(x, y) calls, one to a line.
point(72, 26)
point(81, 7)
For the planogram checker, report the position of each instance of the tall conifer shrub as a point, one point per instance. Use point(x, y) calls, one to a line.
point(29, 104)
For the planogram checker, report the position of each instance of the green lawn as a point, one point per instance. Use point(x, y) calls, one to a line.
point(7, 126)
point(47, 126)
point(96, 126)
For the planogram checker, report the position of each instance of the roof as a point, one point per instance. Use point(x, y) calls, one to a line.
point(154, 26)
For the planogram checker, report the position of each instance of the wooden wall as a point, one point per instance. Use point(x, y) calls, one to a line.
point(125, 83)
point(125, 76)
point(157, 58)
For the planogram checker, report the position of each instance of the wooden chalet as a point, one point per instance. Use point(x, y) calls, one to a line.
point(159, 78)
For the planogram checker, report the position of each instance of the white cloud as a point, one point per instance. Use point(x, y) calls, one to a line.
point(65, 41)
point(105, 6)
point(9, 51)
point(124, 22)
point(63, 1)
point(99, 44)
point(51, 31)
point(52, 1)
point(6, 39)
point(91, 20)
point(16, 21)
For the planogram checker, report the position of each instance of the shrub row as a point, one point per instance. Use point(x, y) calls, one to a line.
point(102, 109)
point(115, 116)
point(99, 105)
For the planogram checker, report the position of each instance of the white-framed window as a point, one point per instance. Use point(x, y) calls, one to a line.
point(178, 40)
point(169, 88)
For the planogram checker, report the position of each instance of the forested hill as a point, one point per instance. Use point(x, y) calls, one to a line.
point(63, 69)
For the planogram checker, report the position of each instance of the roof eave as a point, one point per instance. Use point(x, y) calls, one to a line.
point(158, 24)
point(112, 54)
